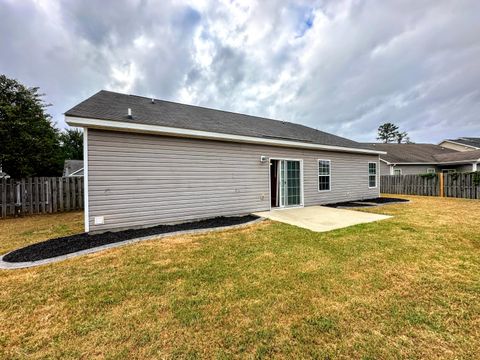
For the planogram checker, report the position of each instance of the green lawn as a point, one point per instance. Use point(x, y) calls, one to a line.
point(406, 287)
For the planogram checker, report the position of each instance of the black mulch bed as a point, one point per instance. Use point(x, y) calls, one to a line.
point(385, 200)
point(367, 202)
point(70, 244)
point(348, 204)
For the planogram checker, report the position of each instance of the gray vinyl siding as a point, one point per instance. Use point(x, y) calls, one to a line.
point(414, 169)
point(457, 168)
point(138, 180)
point(384, 168)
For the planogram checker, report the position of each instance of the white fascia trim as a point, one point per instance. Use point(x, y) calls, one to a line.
point(171, 131)
point(85, 181)
point(456, 143)
point(436, 163)
point(75, 172)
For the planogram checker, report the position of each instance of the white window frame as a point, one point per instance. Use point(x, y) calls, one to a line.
point(302, 192)
point(429, 171)
point(376, 174)
point(393, 172)
point(329, 175)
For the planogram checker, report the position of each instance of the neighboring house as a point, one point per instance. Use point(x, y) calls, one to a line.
point(462, 144)
point(3, 175)
point(408, 159)
point(73, 168)
point(151, 162)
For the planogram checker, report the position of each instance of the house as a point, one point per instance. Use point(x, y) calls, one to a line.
point(408, 159)
point(462, 144)
point(3, 175)
point(73, 168)
point(150, 162)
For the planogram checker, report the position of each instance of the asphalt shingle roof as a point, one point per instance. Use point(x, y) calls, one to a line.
point(106, 105)
point(459, 156)
point(410, 153)
point(423, 153)
point(470, 141)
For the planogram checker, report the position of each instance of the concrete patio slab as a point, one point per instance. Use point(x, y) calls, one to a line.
point(321, 218)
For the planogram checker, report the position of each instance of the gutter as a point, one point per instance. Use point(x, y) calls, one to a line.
point(471, 161)
point(199, 134)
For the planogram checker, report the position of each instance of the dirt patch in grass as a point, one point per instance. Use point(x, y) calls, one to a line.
point(73, 243)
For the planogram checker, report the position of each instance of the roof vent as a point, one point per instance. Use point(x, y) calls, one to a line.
point(130, 113)
point(153, 101)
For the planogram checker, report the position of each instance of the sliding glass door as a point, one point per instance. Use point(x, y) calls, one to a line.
point(290, 183)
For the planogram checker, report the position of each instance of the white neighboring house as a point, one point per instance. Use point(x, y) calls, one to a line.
point(73, 168)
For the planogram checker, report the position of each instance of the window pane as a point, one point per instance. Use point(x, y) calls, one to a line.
point(372, 168)
point(372, 180)
point(323, 182)
point(323, 167)
point(323, 175)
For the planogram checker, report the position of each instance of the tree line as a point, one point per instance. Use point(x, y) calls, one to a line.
point(30, 144)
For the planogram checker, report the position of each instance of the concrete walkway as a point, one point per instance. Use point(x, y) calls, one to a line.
point(321, 218)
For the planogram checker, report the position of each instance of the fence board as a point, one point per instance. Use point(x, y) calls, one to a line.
point(23, 199)
point(4, 198)
point(458, 185)
point(67, 193)
point(40, 195)
point(54, 194)
point(12, 196)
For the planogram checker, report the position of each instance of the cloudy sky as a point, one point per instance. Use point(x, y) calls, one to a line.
point(339, 66)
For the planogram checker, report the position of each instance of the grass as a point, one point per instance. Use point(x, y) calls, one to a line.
point(406, 287)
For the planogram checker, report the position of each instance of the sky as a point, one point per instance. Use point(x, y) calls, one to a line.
point(343, 67)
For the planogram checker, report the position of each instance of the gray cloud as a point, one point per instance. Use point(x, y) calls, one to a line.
point(340, 66)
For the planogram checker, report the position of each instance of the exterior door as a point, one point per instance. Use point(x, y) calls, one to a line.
point(290, 183)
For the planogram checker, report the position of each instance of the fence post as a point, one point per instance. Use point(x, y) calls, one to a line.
point(440, 176)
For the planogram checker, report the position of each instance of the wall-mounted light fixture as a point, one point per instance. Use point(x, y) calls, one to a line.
point(263, 158)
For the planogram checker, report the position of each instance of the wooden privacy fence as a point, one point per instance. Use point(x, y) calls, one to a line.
point(40, 195)
point(459, 185)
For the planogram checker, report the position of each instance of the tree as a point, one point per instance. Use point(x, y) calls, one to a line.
point(72, 144)
point(29, 143)
point(402, 137)
point(387, 132)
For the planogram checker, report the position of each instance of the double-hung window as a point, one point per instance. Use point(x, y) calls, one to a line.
point(324, 175)
point(372, 175)
point(397, 171)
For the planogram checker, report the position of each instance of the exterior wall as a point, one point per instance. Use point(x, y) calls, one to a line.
point(456, 147)
point(458, 168)
point(422, 169)
point(415, 169)
point(138, 180)
point(384, 168)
